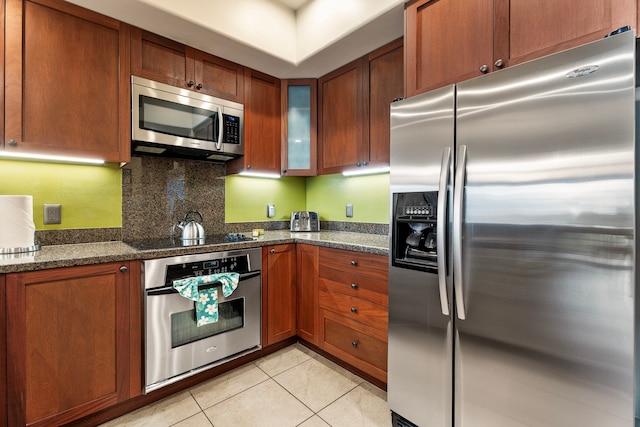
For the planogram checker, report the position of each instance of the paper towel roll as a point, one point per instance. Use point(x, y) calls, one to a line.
point(17, 229)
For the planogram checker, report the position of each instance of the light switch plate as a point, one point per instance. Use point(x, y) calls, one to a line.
point(52, 214)
point(349, 211)
point(271, 211)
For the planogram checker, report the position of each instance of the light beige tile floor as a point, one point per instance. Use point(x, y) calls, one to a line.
point(292, 387)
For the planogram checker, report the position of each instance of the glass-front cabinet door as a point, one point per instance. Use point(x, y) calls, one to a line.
point(299, 116)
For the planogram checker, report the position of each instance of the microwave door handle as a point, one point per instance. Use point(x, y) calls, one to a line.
point(220, 129)
point(441, 225)
point(458, 211)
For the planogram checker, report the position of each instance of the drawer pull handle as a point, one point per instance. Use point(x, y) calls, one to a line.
point(353, 263)
point(354, 286)
point(273, 251)
point(124, 269)
point(354, 343)
point(353, 309)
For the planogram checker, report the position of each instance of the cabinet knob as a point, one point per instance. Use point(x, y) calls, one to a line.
point(364, 163)
point(499, 63)
point(484, 69)
point(354, 263)
point(248, 166)
point(353, 309)
point(124, 269)
point(358, 164)
point(272, 251)
point(284, 171)
point(354, 343)
point(354, 286)
point(190, 83)
point(12, 142)
point(199, 86)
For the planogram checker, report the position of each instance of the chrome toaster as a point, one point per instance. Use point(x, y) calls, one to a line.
point(305, 221)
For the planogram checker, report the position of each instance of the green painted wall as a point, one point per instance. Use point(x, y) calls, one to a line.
point(91, 196)
point(246, 198)
point(369, 195)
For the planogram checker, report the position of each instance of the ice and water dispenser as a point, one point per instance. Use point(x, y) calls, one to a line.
point(414, 231)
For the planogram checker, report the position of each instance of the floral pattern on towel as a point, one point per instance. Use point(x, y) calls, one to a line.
point(206, 299)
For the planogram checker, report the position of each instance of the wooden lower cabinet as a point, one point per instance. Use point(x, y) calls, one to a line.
point(355, 343)
point(307, 285)
point(353, 308)
point(68, 343)
point(3, 354)
point(280, 276)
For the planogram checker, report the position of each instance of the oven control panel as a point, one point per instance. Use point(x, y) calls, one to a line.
point(237, 264)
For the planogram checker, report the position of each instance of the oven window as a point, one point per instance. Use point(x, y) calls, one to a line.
point(185, 331)
point(176, 119)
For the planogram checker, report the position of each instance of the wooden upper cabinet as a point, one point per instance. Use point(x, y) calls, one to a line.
point(527, 29)
point(386, 83)
point(68, 344)
point(166, 61)
point(219, 77)
point(341, 118)
point(261, 125)
point(448, 41)
point(160, 59)
point(66, 81)
point(353, 110)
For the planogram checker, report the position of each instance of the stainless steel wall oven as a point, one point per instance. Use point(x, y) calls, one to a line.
point(175, 347)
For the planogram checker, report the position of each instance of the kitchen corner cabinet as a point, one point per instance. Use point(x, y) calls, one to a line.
point(261, 125)
point(448, 41)
point(280, 276)
point(166, 61)
point(299, 127)
point(353, 303)
point(307, 285)
point(66, 81)
point(353, 109)
point(68, 343)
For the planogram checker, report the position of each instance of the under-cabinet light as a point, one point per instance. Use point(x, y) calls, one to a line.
point(366, 171)
point(48, 158)
point(260, 175)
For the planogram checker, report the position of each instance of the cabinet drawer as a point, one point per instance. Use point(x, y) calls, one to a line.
point(357, 309)
point(355, 342)
point(356, 285)
point(376, 266)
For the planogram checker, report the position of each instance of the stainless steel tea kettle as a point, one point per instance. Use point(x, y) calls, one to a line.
point(192, 232)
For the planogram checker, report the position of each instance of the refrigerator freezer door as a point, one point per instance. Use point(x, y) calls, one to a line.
point(548, 242)
point(420, 335)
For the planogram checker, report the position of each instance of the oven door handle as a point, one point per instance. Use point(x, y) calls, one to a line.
point(170, 290)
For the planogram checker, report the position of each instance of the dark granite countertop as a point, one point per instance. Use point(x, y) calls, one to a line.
point(102, 252)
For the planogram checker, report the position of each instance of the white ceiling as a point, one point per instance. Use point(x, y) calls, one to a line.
point(283, 38)
point(293, 4)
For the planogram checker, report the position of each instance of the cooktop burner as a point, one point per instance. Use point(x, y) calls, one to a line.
point(150, 244)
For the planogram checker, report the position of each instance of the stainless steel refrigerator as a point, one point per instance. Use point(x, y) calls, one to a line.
point(513, 256)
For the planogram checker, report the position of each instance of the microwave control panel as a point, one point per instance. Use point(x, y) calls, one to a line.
point(231, 129)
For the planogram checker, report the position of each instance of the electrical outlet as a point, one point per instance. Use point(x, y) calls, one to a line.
point(271, 211)
point(349, 211)
point(52, 214)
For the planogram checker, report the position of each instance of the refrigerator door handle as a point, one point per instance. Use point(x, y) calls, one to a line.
point(441, 228)
point(458, 210)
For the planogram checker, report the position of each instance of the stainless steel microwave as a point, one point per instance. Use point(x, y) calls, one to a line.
point(175, 122)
